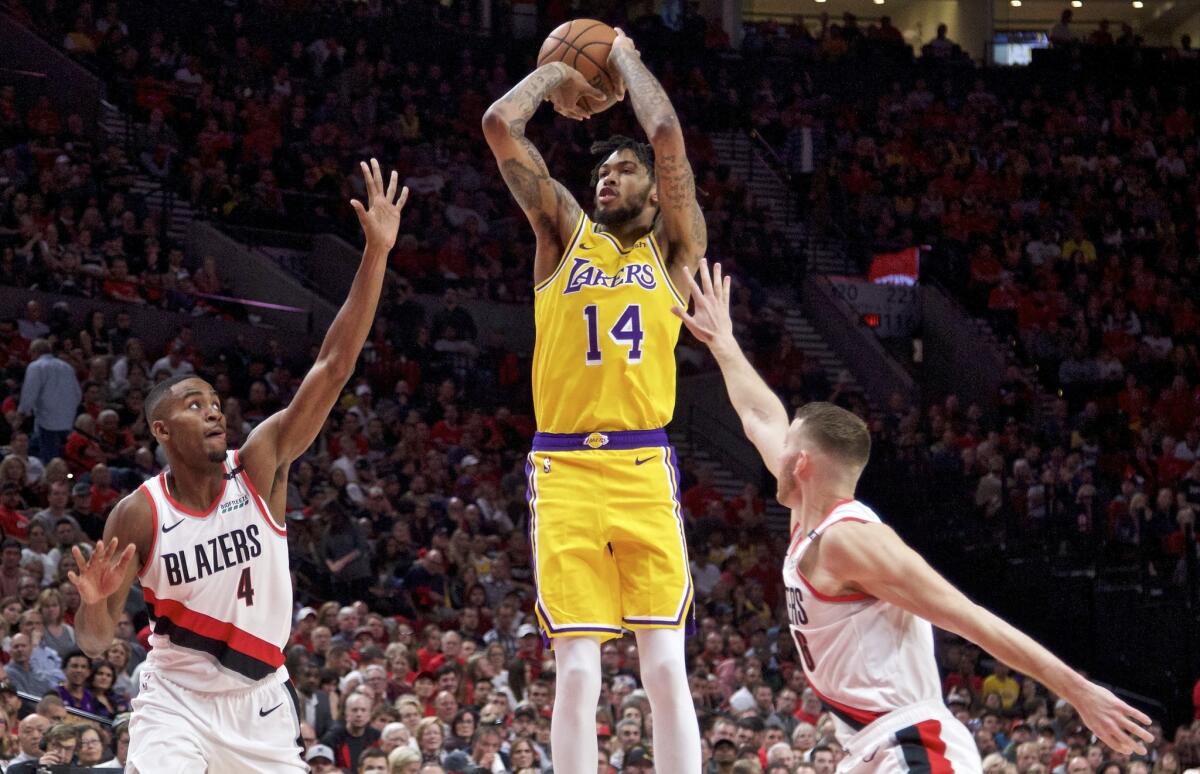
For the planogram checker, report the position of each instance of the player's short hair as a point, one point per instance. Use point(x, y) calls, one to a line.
point(161, 391)
point(605, 148)
point(837, 431)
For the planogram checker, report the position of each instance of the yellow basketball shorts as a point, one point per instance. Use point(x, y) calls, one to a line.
point(606, 526)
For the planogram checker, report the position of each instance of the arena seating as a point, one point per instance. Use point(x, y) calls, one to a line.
point(1081, 247)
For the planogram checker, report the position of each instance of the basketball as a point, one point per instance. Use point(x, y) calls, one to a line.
point(584, 45)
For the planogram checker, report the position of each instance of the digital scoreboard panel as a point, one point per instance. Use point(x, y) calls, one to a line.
point(892, 311)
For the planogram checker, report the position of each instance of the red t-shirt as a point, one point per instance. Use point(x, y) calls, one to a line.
point(697, 498)
point(15, 523)
point(445, 433)
point(102, 500)
point(120, 289)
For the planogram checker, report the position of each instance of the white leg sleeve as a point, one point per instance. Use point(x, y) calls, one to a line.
point(577, 691)
point(664, 675)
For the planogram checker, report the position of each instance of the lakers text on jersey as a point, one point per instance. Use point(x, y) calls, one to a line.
point(604, 358)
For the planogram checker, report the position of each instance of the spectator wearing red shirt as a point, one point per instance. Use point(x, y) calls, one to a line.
point(809, 710)
point(14, 348)
point(119, 286)
point(1177, 406)
point(10, 567)
point(103, 496)
point(964, 677)
point(746, 508)
point(696, 499)
point(306, 621)
point(451, 648)
point(12, 519)
point(447, 432)
point(82, 450)
point(116, 443)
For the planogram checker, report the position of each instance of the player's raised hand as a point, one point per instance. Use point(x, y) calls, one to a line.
point(567, 95)
point(101, 575)
point(380, 219)
point(709, 321)
point(622, 43)
point(1118, 725)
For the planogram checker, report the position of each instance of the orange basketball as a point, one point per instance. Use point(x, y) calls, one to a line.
point(583, 44)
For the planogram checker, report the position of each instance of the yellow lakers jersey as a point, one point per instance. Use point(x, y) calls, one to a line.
point(604, 358)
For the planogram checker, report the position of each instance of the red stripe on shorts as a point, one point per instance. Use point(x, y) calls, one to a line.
point(930, 732)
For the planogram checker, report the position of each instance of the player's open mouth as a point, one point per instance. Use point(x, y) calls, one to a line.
point(215, 434)
point(606, 195)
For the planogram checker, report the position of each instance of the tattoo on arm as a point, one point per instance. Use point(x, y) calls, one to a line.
point(676, 182)
point(650, 102)
point(526, 96)
point(526, 172)
point(677, 193)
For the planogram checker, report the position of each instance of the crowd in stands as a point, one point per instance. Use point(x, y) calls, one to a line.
point(415, 648)
point(260, 129)
point(1063, 209)
point(414, 630)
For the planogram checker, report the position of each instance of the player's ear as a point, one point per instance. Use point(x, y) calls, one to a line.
point(800, 466)
point(158, 428)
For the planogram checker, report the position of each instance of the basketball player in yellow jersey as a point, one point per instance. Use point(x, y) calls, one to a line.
point(606, 523)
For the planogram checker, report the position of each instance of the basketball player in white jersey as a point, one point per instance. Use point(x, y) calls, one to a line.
point(860, 601)
point(207, 539)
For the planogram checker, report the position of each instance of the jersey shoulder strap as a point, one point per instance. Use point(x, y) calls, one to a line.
point(846, 510)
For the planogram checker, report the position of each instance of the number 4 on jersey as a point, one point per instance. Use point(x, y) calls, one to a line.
point(627, 331)
point(246, 588)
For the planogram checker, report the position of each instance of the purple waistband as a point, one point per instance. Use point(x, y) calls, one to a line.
point(615, 440)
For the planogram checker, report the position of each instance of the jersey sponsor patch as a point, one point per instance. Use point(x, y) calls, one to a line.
point(233, 505)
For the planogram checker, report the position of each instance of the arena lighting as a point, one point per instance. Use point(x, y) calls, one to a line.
point(1015, 3)
point(880, 2)
point(1138, 4)
point(1076, 3)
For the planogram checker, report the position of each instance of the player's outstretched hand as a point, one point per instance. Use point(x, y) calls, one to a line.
point(1118, 725)
point(380, 219)
point(566, 96)
point(709, 321)
point(620, 44)
point(101, 575)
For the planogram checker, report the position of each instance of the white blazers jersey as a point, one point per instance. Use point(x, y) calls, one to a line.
point(217, 587)
point(864, 657)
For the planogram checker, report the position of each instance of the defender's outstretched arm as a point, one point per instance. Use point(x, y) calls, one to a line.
point(764, 419)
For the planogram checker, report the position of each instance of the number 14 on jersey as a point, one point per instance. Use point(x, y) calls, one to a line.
point(626, 331)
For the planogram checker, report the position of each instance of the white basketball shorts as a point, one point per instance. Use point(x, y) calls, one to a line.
point(180, 731)
point(922, 738)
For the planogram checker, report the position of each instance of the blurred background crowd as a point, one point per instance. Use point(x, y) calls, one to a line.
point(1061, 209)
